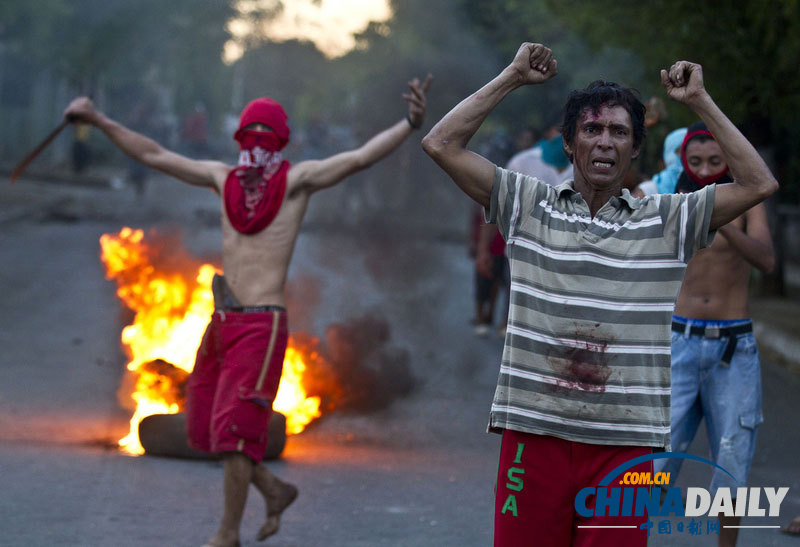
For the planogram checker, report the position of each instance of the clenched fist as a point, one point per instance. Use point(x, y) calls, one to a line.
point(684, 82)
point(534, 64)
point(81, 110)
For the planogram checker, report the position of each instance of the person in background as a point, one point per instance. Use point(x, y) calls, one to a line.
point(492, 277)
point(655, 118)
point(664, 181)
point(195, 130)
point(715, 365)
point(81, 153)
point(527, 137)
point(546, 160)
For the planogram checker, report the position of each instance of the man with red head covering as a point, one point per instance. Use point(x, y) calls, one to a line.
point(715, 365)
point(239, 362)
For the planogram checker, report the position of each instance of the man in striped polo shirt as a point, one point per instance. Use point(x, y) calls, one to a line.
point(584, 382)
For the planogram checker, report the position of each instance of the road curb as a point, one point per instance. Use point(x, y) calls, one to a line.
point(778, 344)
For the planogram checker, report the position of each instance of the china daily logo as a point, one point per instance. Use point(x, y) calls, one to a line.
point(627, 493)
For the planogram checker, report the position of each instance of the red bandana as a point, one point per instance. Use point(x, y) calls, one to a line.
point(695, 130)
point(255, 188)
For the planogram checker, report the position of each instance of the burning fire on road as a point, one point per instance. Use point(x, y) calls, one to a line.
point(355, 368)
point(170, 296)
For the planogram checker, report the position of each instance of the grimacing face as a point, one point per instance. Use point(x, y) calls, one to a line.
point(602, 148)
point(705, 158)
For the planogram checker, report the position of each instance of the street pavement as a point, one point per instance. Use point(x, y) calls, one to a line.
point(420, 473)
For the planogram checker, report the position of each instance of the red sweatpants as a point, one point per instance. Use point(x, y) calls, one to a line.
point(235, 379)
point(537, 481)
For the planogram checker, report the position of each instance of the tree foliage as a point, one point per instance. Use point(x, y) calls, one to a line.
point(117, 45)
point(504, 25)
point(748, 50)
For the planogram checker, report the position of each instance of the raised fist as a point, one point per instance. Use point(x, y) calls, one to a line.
point(81, 110)
point(534, 63)
point(684, 82)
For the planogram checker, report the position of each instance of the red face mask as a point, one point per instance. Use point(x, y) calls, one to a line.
point(259, 157)
point(701, 181)
point(254, 189)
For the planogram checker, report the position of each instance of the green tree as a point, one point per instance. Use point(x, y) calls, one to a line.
point(117, 49)
point(504, 25)
point(748, 50)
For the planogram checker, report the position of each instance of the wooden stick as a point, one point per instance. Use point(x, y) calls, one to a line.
point(36, 151)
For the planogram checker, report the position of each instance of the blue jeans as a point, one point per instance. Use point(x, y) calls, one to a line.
point(728, 396)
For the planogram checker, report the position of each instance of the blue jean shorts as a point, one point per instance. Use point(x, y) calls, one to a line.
point(729, 397)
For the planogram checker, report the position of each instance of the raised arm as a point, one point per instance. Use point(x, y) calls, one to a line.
point(210, 174)
point(447, 141)
point(315, 175)
point(753, 181)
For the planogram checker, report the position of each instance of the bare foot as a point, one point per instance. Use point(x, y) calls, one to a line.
point(280, 496)
point(794, 527)
point(223, 540)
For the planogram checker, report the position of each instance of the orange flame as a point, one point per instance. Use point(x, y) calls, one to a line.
point(171, 313)
point(291, 400)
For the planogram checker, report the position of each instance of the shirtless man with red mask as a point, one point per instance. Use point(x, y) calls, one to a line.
point(715, 365)
point(239, 362)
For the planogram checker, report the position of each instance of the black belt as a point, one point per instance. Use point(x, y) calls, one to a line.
point(716, 332)
point(252, 309)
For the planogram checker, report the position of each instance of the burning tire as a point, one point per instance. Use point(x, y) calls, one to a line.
point(165, 435)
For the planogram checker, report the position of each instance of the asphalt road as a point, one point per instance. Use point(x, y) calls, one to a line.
point(420, 473)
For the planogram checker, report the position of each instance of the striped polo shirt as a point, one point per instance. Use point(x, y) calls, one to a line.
point(587, 348)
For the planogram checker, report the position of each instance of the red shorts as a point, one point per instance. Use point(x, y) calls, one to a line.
point(538, 479)
point(235, 378)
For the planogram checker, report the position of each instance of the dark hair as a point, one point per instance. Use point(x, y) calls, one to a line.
point(595, 95)
point(699, 137)
point(702, 137)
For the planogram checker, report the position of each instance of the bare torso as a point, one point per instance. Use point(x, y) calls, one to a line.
point(256, 265)
point(716, 282)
